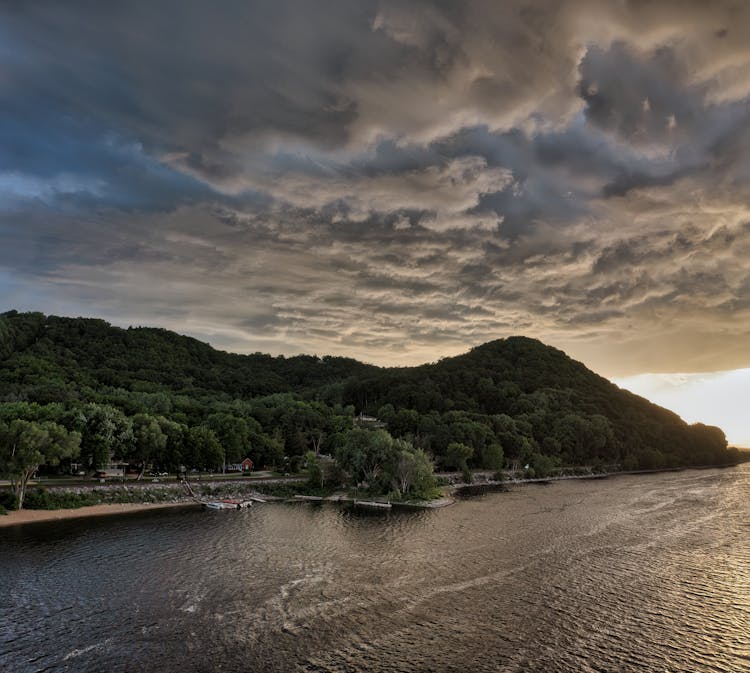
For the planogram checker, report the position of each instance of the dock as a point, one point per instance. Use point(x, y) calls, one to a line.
point(372, 503)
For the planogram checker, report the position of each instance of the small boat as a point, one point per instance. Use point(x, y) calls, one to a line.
point(236, 503)
point(224, 503)
point(228, 503)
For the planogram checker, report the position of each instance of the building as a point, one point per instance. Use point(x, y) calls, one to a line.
point(245, 466)
point(364, 421)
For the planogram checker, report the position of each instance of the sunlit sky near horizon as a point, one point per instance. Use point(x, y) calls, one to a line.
point(714, 398)
point(392, 180)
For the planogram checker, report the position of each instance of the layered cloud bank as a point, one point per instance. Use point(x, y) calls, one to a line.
point(390, 180)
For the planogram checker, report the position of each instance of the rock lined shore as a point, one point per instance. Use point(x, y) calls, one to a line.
point(139, 496)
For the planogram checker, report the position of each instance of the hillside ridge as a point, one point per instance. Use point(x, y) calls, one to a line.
point(515, 397)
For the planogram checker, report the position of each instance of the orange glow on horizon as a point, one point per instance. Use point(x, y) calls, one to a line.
point(714, 398)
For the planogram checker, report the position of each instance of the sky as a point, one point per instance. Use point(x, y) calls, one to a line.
point(395, 181)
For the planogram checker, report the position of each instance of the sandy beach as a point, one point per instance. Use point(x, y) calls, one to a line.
point(36, 515)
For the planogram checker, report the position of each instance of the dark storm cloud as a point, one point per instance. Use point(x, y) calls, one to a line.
point(389, 180)
point(185, 80)
point(639, 99)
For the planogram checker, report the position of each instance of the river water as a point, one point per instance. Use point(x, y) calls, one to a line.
point(647, 573)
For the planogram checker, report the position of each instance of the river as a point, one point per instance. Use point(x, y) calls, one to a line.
point(637, 573)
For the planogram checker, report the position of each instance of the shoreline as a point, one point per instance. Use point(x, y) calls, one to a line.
point(450, 492)
point(30, 516)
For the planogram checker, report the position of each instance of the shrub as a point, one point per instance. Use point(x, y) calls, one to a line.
point(37, 498)
point(72, 500)
point(41, 498)
point(8, 501)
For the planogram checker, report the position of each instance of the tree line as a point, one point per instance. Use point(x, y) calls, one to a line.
point(90, 392)
point(57, 438)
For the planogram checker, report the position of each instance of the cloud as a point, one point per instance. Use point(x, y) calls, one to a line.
point(391, 180)
point(445, 192)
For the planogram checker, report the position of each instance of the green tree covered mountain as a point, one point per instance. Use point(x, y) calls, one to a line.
point(154, 397)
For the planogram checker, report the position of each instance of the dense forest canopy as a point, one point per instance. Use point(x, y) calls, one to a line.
point(152, 397)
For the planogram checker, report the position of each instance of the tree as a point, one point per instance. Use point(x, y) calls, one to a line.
point(266, 450)
point(424, 485)
point(414, 472)
point(583, 437)
point(457, 455)
point(233, 433)
point(27, 445)
point(149, 441)
point(105, 431)
point(402, 422)
point(203, 450)
point(541, 466)
point(314, 470)
point(172, 456)
point(366, 453)
point(492, 456)
point(406, 470)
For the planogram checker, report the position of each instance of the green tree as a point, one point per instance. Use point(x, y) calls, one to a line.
point(149, 441)
point(266, 450)
point(105, 431)
point(414, 472)
point(233, 433)
point(27, 445)
point(313, 469)
point(366, 454)
point(172, 456)
point(457, 455)
point(203, 449)
point(492, 456)
point(541, 466)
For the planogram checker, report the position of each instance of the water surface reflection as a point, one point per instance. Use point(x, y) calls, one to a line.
point(638, 573)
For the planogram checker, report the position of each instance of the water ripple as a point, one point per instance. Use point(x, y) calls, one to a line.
point(625, 575)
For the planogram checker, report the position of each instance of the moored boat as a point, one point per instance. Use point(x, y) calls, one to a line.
point(227, 503)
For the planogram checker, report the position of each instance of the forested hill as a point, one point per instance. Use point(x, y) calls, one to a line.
point(555, 403)
point(513, 399)
point(54, 357)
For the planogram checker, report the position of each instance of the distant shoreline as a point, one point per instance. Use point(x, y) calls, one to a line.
point(26, 516)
